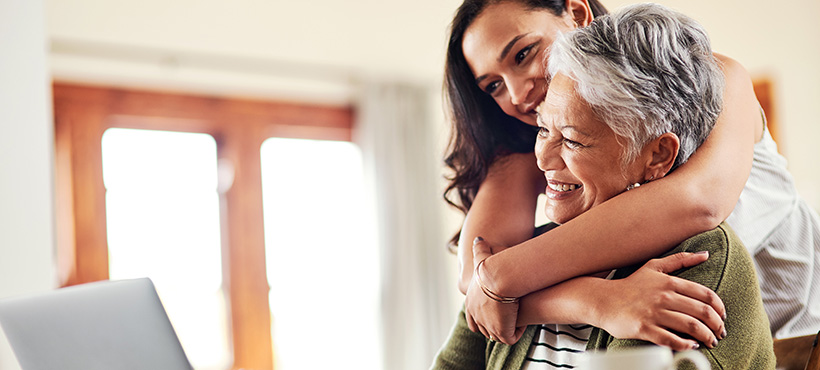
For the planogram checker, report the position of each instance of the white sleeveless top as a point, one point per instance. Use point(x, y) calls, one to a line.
point(782, 233)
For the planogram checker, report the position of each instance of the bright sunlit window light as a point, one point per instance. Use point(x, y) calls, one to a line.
point(322, 259)
point(162, 213)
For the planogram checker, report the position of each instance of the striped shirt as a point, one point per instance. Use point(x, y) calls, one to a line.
point(557, 346)
point(782, 233)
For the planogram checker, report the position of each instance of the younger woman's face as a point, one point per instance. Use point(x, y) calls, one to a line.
point(506, 47)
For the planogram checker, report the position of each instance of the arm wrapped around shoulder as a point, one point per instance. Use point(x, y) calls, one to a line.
point(730, 272)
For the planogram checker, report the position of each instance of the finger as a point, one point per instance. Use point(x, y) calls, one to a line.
point(677, 261)
point(688, 325)
point(519, 332)
point(481, 249)
point(471, 322)
point(506, 339)
point(485, 332)
point(510, 336)
point(497, 333)
point(501, 335)
point(663, 337)
point(476, 328)
point(704, 303)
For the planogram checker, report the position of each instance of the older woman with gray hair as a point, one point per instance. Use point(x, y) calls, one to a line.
point(632, 96)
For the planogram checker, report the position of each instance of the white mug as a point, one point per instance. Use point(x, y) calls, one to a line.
point(641, 358)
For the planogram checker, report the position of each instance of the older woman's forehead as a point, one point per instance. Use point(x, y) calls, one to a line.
point(560, 95)
point(565, 108)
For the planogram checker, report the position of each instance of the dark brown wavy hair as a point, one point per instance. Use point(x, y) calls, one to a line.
point(481, 132)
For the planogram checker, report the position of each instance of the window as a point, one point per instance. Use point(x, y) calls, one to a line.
point(93, 210)
point(314, 228)
point(162, 218)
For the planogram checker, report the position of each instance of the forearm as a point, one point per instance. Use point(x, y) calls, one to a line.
point(503, 212)
point(647, 221)
point(571, 302)
point(648, 304)
point(499, 231)
point(617, 233)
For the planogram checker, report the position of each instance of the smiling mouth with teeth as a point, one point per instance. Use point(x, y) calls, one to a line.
point(562, 187)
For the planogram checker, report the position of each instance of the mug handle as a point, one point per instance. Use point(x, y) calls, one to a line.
point(695, 357)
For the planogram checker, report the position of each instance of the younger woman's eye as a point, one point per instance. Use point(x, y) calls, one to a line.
point(492, 87)
point(543, 132)
point(521, 55)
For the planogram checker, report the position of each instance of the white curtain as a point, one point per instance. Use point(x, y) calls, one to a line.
point(396, 134)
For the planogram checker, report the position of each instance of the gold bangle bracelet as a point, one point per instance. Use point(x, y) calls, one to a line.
point(489, 293)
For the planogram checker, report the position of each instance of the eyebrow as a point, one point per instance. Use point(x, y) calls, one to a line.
point(573, 128)
point(509, 46)
point(504, 53)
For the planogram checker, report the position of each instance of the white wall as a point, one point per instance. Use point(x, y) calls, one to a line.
point(26, 146)
point(396, 37)
point(316, 50)
point(312, 49)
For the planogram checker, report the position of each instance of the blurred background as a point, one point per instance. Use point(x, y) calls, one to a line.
point(275, 166)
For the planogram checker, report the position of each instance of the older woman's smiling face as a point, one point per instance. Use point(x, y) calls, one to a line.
point(579, 154)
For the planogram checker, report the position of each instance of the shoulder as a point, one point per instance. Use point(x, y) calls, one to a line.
point(515, 173)
point(716, 241)
point(719, 239)
point(725, 249)
point(740, 92)
point(729, 271)
point(516, 165)
point(732, 69)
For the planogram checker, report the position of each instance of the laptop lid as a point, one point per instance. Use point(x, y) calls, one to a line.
point(103, 325)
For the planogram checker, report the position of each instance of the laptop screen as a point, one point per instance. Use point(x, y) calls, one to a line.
point(103, 325)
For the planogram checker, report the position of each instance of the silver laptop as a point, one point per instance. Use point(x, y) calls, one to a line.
point(103, 325)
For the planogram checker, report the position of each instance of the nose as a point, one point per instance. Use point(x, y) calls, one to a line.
point(547, 155)
point(519, 90)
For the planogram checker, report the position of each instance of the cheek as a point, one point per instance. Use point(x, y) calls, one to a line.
point(505, 104)
point(604, 184)
point(539, 153)
point(593, 175)
point(538, 70)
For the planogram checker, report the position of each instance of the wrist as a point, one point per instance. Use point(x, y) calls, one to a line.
point(493, 277)
point(487, 287)
point(596, 305)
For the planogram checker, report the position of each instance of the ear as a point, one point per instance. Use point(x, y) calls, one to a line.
point(660, 155)
point(580, 12)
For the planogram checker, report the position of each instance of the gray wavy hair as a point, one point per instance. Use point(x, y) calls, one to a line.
point(645, 70)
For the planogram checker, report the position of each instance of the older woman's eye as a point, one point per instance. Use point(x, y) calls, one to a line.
point(543, 132)
point(572, 144)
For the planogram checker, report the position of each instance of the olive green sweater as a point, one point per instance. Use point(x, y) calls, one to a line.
point(729, 271)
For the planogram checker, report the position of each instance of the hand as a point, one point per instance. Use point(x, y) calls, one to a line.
point(654, 306)
point(493, 319)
